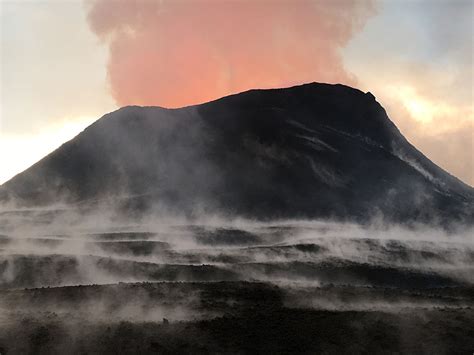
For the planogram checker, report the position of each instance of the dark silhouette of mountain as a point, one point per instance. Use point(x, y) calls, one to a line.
point(315, 150)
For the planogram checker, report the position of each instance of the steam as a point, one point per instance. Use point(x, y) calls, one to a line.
point(101, 250)
point(176, 53)
point(64, 270)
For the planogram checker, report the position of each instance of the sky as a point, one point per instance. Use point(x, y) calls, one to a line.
point(65, 63)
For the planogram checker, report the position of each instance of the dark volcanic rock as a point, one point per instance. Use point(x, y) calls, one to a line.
point(314, 150)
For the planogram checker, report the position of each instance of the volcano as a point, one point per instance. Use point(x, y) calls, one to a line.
point(309, 151)
point(75, 278)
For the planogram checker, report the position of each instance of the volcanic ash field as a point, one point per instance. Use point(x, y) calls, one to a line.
point(232, 286)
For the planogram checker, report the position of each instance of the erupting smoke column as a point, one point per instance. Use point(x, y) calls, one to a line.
point(174, 53)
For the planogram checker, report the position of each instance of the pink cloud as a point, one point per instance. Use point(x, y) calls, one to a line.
point(174, 53)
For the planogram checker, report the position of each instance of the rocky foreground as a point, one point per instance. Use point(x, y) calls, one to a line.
point(289, 287)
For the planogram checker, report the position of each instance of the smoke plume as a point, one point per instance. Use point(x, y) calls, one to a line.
point(175, 53)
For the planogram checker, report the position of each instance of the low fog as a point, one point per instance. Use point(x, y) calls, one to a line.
point(41, 248)
point(67, 275)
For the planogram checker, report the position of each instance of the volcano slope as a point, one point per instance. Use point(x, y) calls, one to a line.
point(310, 151)
point(294, 220)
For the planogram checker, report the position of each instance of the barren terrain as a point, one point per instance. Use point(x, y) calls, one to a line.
point(233, 287)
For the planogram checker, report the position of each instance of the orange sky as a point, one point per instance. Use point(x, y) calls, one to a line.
point(415, 56)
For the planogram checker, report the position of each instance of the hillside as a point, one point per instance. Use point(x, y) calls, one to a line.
point(310, 151)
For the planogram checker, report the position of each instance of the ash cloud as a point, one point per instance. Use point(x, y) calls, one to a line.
point(175, 53)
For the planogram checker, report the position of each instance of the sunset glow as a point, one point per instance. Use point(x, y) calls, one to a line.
point(19, 152)
point(421, 109)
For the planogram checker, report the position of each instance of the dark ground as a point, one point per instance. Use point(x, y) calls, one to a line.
point(286, 288)
point(249, 318)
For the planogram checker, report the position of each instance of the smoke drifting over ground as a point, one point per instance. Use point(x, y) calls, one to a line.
point(58, 254)
point(56, 276)
point(176, 53)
